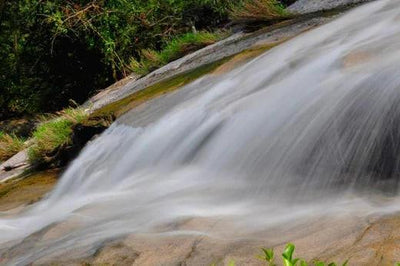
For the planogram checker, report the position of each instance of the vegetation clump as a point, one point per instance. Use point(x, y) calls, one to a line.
point(176, 48)
point(57, 131)
point(259, 10)
point(9, 145)
point(288, 260)
point(53, 51)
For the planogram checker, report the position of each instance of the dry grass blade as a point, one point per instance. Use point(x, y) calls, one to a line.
point(9, 146)
point(259, 10)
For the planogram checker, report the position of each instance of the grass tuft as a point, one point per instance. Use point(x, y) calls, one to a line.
point(258, 10)
point(9, 145)
point(175, 49)
point(48, 136)
point(53, 133)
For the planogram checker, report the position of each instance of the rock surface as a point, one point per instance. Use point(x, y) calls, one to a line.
point(26, 190)
point(15, 166)
point(235, 44)
point(363, 241)
point(372, 241)
point(310, 6)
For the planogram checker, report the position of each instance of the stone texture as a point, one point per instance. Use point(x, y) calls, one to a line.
point(310, 6)
point(232, 45)
point(362, 241)
point(15, 166)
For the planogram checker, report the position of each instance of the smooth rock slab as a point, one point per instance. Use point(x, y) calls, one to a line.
point(310, 6)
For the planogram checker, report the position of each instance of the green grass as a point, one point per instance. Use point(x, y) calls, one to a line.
point(49, 136)
point(9, 145)
point(175, 49)
point(258, 10)
point(54, 132)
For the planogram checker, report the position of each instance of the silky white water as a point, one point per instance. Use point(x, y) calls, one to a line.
point(310, 128)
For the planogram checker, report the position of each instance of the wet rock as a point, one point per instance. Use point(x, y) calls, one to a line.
point(310, 6)
point(15, 166)
point(115, 254)
point(81, 135)
point(232, 45)
point(26, 190)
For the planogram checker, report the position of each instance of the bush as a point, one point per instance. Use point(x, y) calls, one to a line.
point(56, 50)
point(9, 146)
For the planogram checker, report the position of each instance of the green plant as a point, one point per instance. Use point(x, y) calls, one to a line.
point(174, 49)
point(258, 10)
point(75, 115)
point(287, 255)
point(288, 259)
point(56, 130)
point(48, 136)
point(232, 263)
point(9, 145)
point(268, 256)
point(95, 40)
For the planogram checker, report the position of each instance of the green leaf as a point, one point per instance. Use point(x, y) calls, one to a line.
point(319, 263)
point(287, 262)
point(288, 253)
point(347, 262)
point(269, 254)
point(303, 263)
point(332, 264)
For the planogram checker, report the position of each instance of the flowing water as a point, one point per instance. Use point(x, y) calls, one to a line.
point(310, 128)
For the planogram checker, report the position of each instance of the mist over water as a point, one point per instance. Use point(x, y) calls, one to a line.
point(310, 128)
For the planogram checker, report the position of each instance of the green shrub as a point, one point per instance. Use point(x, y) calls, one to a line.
point(9, 145)
point(95, 41)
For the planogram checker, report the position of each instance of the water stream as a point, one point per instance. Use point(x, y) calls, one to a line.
point(310, 128)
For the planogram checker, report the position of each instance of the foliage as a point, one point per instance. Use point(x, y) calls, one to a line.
point(55, 132)
point(40, 72)
point(288, 259)
point(9, 145)
point(259, 10)
point(48, 136)
point(174, 49)
point(56, 50)
point(268, 256)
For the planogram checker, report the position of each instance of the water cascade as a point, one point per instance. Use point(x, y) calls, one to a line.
point(311, 127)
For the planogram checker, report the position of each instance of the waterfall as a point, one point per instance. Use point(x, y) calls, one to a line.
point(311, 127)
